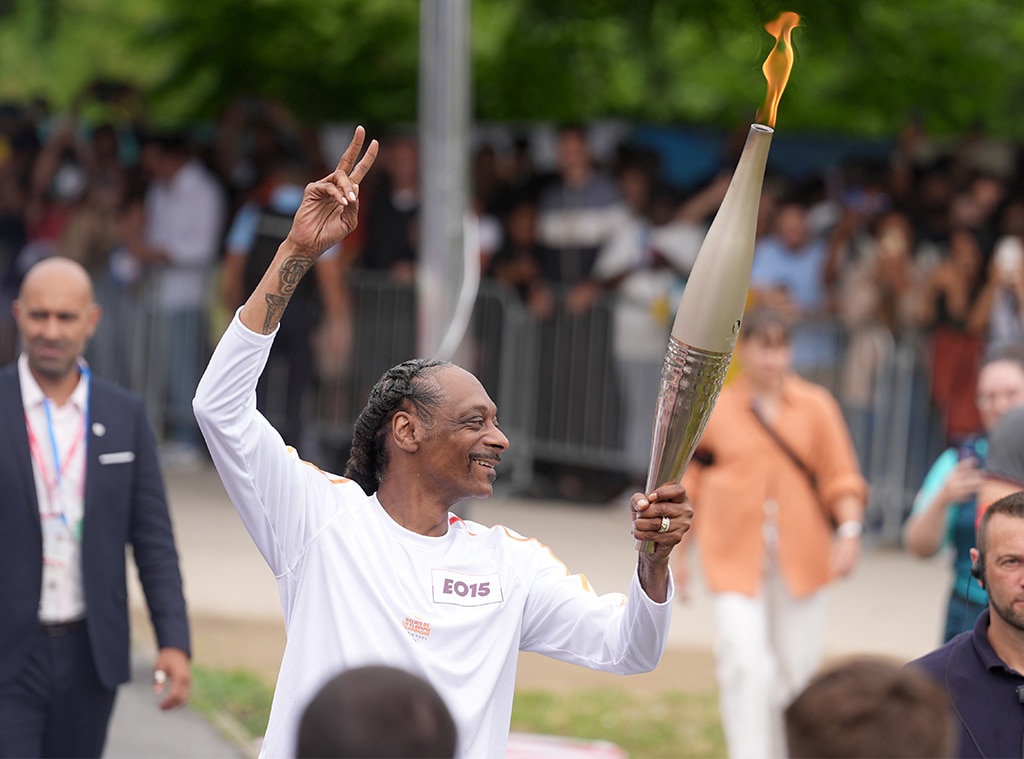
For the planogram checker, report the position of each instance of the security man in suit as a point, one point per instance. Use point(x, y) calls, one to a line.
point(80, 480)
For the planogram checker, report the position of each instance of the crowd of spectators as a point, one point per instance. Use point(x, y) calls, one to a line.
point(924, 244)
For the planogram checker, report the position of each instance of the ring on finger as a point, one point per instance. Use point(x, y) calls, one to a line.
point(665, 523)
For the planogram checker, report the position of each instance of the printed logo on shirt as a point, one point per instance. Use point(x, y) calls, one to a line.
point(418, 629)
point(461, 589)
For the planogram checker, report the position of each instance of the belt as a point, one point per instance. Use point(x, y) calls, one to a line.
point(62, 628)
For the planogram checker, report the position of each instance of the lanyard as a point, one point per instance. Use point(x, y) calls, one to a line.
point(53, 489)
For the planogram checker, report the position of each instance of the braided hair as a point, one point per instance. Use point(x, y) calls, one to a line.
point(368, 458)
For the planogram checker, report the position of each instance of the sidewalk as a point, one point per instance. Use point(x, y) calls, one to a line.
point(140, 729)
point(892, 605)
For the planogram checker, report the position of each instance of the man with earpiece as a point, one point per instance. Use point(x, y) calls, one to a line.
point(981, 669)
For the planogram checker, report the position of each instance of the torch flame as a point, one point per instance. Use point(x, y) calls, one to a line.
point(778, 64)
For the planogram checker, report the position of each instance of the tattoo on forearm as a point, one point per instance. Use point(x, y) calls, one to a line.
point(275, 307)
point(290, 273)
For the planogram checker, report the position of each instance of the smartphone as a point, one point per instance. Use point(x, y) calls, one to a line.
point(966, 450)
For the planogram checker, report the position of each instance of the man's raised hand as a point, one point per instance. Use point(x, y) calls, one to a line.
point(330, 207)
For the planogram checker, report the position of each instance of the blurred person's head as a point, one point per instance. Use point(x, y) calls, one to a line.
point(870, 707)
point(56, 316)
point(791, 225)
point(635, 185)
point(989, 192)
point(164, 154)
point(965, 211)
point(521, 224)
point(575, 161)
point(520, 165)
point(401, 156)
point(663, 205)
point(104, 142)
point(1004, 465)
point(764, 349)
point(966, 253)
point(485, 164)
point(768, 205)
point(1011, 219)
point(1000, 384)
point(376, 711)
point(895, 235)
point(936, 188)
point(866, 174)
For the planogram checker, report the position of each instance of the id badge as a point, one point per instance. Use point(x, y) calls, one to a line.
point(57, 542)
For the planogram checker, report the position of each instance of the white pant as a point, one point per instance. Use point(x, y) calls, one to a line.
point(767, 649)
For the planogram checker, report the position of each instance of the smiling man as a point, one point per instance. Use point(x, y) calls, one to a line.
point(981, 669)
point(373, 568)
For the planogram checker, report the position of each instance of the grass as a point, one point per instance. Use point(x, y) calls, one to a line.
point(242, 697)
point(648, 726)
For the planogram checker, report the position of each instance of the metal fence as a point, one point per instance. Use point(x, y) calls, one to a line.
point(554, 381)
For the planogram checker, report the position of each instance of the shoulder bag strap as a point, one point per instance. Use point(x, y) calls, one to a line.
point(797, 461)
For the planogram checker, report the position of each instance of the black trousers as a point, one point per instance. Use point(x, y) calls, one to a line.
point(57, 706)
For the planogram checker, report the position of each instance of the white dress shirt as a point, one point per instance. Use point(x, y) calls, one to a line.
point(57, 442)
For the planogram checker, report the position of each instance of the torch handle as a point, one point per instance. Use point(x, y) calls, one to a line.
point(645, 546)
point(709, 316)
point(691, 379)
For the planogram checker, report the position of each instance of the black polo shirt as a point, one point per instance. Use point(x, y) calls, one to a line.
point(982, 691)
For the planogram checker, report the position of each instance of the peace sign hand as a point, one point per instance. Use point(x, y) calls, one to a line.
point(330, 208)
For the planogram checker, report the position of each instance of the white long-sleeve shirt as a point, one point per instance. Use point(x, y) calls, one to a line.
point(357, 588)
point(184, 216)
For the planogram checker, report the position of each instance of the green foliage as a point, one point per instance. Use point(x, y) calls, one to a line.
point(55, 47)
point(863, 66)
point(327, 59)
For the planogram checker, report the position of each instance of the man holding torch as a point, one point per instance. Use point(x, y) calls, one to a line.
point(374, 568)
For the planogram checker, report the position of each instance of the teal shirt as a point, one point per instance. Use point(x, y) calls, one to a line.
point(960, 533)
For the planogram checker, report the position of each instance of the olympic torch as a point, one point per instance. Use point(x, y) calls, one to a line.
point(711, 308)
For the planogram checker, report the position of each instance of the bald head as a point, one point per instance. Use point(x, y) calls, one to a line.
point(56, 316)
point(58, 272)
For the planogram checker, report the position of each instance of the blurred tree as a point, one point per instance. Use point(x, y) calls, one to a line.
point(326, 59)
point(55, 48)
point(864, 66)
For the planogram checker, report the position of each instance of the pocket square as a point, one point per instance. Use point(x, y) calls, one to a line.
point(120, 457)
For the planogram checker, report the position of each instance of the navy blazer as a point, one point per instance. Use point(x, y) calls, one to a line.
point(125, 504)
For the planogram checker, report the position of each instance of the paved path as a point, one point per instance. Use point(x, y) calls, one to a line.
point(892, 605)
point(139, 729)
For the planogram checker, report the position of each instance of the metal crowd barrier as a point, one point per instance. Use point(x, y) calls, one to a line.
point(498, 348)
point(554, 381)
point(139, 347)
